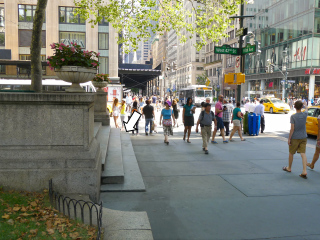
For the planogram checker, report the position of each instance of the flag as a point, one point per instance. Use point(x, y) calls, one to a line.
point(208, 82)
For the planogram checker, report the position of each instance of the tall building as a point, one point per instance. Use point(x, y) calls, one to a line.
point(288, 32)
point(61, 25)
point(171, 58)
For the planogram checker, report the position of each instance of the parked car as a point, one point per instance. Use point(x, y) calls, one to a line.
point(275, 105)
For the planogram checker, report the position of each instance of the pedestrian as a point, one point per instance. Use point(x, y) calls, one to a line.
point(226, 117)
point(219, 125)
point(154, 100)
point(116, 111)
point(317, 152)
point(312, 102)
point(128, 102)
point(148, 112)
point(167, 115)
point(187, 118)
point(237, 116)
point(136, 108)
point(142, 102)
point(205, 120)
point(246, 106)
point(259, 110)
point(123, 113)
point(208, 100)
point(297, 140)
point(252, 106)
point(176, 109)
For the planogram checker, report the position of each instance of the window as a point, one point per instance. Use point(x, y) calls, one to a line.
point(104, 22)
point(104, 41)
point(28, 57)
point(2, 69)
point(1, 17)
point(76, 37)
point(199, 68)
point(311, 111)
point(26, 13)
point(68, 15)
point(2, 39)
point(25, 37)
point(104, 65)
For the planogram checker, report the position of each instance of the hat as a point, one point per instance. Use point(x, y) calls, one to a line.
point(168, 102)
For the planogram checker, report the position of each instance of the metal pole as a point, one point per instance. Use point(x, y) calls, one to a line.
point(286, 77)
point(240, 49)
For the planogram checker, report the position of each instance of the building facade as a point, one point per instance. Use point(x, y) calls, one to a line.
point(288, 32)
point(61, 25)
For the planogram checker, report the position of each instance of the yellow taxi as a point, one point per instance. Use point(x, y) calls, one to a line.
point(275, 105)
point(312, 120)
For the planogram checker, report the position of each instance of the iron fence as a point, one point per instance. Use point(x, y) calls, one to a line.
point(69, 207)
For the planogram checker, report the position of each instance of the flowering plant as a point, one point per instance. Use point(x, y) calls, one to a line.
point(73, 55)
point(101, 77)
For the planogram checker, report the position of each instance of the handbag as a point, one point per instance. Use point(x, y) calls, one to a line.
point(152, 126)
point(167, 122)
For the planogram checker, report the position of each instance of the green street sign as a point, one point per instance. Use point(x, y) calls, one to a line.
point(226, 49)
point(249, 49)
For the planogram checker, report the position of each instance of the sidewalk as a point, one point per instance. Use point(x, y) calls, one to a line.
point(237, 191)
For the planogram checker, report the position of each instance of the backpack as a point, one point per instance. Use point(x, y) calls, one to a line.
point(202, 115)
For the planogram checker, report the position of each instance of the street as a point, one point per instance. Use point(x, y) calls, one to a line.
point(238, 191)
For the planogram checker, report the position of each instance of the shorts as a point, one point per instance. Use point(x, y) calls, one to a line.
point(298, 145)
point(188, 121)
point(236, 123)
point(220, 124)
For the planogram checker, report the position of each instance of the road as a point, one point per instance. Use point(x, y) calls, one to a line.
point(237, 191)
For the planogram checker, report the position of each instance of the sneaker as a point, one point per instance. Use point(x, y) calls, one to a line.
point(206, 151)
point(146, 134)
point(214, 142)
point(203, 149)
point(225, 141)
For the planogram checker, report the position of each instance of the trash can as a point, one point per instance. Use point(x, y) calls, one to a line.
point(253, 124)
point(245, 123)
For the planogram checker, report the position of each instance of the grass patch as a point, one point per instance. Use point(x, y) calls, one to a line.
point(29, 215)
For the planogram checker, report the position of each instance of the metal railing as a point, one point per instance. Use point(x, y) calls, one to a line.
point(70, 207)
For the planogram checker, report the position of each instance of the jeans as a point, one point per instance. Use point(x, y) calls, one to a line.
point(226, 125)
point(148, 121)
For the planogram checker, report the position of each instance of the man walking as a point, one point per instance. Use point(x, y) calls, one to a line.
point(219, 125)
point(252, 106)
point(148, 112)
point(297, 140)
point(128, 102)
point(226, 117)
point(246, 106)
point(259, 110)
point(205, 120)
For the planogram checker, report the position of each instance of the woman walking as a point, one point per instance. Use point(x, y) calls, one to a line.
point(187, 118)
point(116, 111)
point(236, 120)
point(175, 111)
point(136, 108)
point(123, 113)
point(166, 115)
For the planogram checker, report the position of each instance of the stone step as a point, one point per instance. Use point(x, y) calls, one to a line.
point(97, 126)
point(103, 138)
point(133, 181)
point(113, 172)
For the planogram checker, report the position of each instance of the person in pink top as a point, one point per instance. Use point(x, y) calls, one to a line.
point(219, 114)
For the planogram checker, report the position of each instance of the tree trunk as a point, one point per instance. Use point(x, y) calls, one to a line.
point(36, 44)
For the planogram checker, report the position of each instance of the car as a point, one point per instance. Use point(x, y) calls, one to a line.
point(275, 105)
point(312, 120)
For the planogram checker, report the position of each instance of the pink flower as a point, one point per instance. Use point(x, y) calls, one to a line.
point(62, 59)
point(53, 45)
point(94, 64)
point(62, 44)
point(60, 48)
point(51, 68)
point(48, 63)
point(98, 54)
point(73, 49)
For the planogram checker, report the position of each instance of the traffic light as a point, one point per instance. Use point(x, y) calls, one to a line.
point(168, 67)
point(229, 78)
point(258, 46)
point(174, 66)
point(241, 78)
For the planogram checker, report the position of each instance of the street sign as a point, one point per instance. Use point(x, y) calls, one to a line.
point(226, 49)
point(249, 49)
point(241, 32)
point(237, 65)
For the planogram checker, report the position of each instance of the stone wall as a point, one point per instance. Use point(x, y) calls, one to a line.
point(49, 135)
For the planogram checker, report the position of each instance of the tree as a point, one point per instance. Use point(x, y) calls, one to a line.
point(135, 18)
point(36, 44)
point(202, 79)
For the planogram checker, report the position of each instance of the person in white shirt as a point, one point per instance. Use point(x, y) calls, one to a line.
point(252, 106)
point(128, 102)
point(259, 110)
point(247, 105)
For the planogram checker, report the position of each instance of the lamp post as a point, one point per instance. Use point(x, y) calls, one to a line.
point(218, 86)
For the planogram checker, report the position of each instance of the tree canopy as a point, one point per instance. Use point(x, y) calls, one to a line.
point(137, 19)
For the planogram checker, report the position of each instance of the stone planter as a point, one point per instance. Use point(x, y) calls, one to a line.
point(99, 85)
point(76, 75)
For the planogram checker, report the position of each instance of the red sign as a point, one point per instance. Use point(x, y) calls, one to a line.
point(307, 71)
point(316, 71)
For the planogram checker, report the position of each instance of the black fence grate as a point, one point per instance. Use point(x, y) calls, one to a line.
point(70, 207)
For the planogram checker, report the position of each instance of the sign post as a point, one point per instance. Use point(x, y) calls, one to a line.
point(226, 49)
